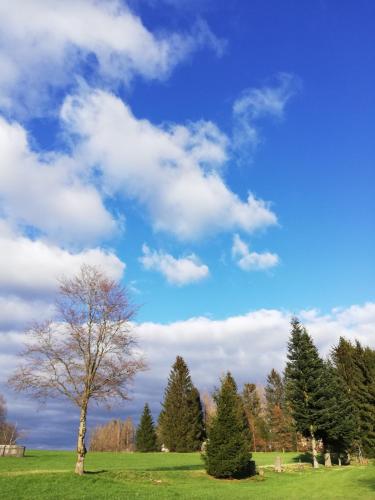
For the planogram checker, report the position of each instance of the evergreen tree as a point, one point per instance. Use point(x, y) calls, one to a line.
point(355, 366)
point(198, 433)
point(181, 426)
point(255, 417)
point(339, 427)
point(145, 438)
point(227, 453)
point(280, 423)
point(304, 377)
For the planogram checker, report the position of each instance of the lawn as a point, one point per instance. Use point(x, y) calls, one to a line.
point(48, 475)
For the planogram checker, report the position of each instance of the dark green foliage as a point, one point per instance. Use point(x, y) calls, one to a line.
point(227, 453)
point(181, 426)
point(198, 433)
point(304, 377)
point(274, 389)
point(282, 435)
point(145, 438)
point(355, 366)
point(339, 426)
point(255, 417)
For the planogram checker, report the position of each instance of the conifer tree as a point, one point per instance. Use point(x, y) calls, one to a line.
point(227, 453)
point(355, 366)
point(304, 377)
point(280, 423)
point(181, 426)
point(274, 389)
point(338, 419)
point(255, 417)
point(198, 433)
point(145, 438)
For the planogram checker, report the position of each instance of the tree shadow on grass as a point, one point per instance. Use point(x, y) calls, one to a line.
point(88, 472)
point(370, 483)
point(175, 467)
point(306, 457)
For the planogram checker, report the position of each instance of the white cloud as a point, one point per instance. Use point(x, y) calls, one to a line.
point(44, 43)
point(252, 261)
point(48, 192)
point(31, 268)
point(16, 312)
point(172, 170)
point(179, 271)
point(257, 103)
point(249, 345)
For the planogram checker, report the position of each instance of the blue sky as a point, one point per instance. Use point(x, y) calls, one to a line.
point(132, 135)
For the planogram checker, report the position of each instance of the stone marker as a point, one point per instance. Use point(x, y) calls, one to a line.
point(277, 467)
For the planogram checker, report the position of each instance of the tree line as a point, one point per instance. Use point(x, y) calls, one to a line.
point(86, 352)
point(326, 404)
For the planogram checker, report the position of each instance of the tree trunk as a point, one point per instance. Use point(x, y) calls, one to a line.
point(81, 448)
point(253, 434)
point(327, 459)
point(313, 448)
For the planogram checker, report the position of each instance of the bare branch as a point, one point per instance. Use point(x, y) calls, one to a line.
point(87, 352)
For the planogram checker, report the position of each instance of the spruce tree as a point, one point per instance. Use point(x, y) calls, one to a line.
point(339, 423)
point(304, 376)
point(274, 390)
point(355, 366)
point(198, 432)
point(227, 453)
point(255, 417)
point(280, 423)
point(145, 438)
point(181, 426)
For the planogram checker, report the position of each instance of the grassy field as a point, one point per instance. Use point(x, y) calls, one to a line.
point(48, 475)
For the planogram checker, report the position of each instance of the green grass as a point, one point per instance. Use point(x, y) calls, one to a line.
point(48, 475)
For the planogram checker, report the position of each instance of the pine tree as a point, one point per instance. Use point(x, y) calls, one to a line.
point(181, 426)
point(274, 389)
point(227, 453)
point(304, 377)
point(145, 438)
point(254, 413)
point(355, 366)
point(198, 433)
point(339, 425)
point(280, 424)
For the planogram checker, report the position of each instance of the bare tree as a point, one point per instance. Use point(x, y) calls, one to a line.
point(8, 431)
point(209, 409)
point(86, 353)
point(115, 435)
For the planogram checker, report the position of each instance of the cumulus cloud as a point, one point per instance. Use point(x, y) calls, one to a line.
point(48, 192)
point(172, 170)
point(180, 271)
point(257, 103)
point(252, 261)
point(43, 43)
point(31, 267)
point(16, 312)
point(249, 345)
